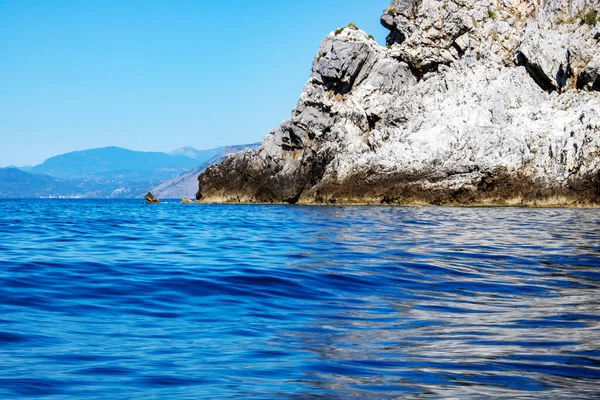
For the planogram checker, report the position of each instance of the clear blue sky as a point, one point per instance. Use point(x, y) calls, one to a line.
point(156, 75)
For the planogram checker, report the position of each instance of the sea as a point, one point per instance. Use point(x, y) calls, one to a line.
point(115, 299)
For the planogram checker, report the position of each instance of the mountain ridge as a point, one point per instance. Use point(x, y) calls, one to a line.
point(85, 163)
point(105, 172)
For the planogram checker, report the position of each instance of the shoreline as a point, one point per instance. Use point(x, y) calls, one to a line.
point(531, 205)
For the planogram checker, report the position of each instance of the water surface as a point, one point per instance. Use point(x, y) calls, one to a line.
point(116, 299)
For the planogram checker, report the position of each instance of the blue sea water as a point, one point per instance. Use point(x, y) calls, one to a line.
point(119, 300)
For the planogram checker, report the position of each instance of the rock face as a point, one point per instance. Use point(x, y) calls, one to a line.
point(590, 76)
point(150, 199)
point(482, 102)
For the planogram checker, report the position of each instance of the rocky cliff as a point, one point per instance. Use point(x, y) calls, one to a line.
point(471, 102)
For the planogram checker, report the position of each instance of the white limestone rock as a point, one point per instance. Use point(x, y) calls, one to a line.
point(450, 113)
point(544, 53)
point(590, 76)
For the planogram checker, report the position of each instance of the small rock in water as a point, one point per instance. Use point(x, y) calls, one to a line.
point(150, 199)
point(185, 200)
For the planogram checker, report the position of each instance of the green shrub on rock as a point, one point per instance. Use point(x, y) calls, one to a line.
point(590, 18)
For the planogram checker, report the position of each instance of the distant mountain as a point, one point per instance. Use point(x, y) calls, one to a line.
point(186, 184)
point(110, 163)
point(109, 172)
point(195, 154)
point(15, 183)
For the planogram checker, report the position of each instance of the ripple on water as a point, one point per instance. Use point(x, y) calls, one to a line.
point(114, 298)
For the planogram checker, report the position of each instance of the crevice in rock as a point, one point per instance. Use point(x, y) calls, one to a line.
point(336, 86)
point(458, 49)
point(286, 147)
point(563, 74)
point(340, 85)
point(416, 72)
point(583, 82)
point(294, 199)
point(296, 141)
point(536, 73)
point(394, 36)
point(319, 106)
point(373, 119)
point(588, 80)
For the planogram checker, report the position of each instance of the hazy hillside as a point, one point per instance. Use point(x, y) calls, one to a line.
point(198, 155)
point(109, 172)
point(115, 162)
point(15, 183)
point(186, 184)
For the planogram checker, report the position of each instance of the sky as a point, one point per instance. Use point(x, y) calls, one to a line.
point(156, 75)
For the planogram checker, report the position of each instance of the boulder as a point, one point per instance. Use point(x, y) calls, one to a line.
point(150, 199)
point(544, 53)
point(589, 78)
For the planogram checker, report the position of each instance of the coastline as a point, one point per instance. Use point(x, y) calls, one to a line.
point(507, 203)
point(484, 190)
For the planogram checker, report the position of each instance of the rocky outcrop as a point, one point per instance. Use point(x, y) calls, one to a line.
point(543, 54)
point(150, 199)
point(484, 102)
point(589, 78)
